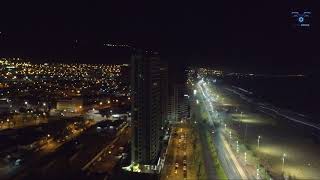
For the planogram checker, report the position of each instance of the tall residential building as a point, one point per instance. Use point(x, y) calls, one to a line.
point(171, 112)
point(164, 94)
point(146, 108)
point(180, 102)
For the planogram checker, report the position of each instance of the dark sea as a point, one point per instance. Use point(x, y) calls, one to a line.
point(299, 94)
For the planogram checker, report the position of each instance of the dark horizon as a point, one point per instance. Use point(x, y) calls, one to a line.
point(247, 35)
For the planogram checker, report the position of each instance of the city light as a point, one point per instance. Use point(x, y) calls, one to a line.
point(245, 157)
point(84, 96)
point(259, 141)
point(283, 159)
point(237, 146)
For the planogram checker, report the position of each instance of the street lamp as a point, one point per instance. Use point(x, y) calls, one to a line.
point(237, 147)
point(245, 157)
point(8, 121)
point(259, 141)
point(225, 126)
point(283, 159)
point(230, 134)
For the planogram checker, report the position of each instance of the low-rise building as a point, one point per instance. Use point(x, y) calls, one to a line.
point(70, 105)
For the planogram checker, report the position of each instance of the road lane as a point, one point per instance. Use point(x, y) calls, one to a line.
point(232, 158)
point(232, 167)
point(180, 150)
point(225, 160)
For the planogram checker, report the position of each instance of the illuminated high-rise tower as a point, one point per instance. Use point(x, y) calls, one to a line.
point(146, 108)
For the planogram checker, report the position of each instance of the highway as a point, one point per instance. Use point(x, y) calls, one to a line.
point(224, 155)
point(283, 134)
point(230, 163)
point(236, 165)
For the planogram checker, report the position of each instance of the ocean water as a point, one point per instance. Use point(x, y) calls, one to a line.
point(299, 94)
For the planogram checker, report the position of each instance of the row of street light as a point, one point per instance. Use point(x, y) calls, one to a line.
point(258, 147)
point(245, 153)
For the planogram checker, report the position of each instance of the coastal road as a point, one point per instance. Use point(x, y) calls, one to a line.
point(229, 162)
point(282, 132)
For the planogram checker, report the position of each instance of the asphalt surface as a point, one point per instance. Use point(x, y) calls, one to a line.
point(231, 166)
point(175, 155)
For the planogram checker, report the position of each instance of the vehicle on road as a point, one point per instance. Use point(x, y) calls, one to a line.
point(18, 162)
point(177, 165)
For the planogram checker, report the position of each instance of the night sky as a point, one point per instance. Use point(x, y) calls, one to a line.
point(232, 34)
